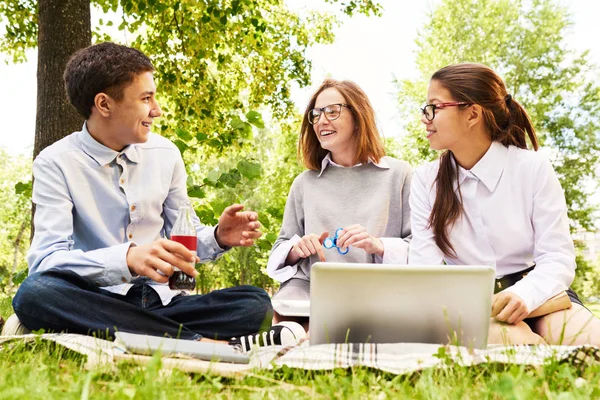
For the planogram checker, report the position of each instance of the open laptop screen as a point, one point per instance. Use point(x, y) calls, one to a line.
point(379, 303)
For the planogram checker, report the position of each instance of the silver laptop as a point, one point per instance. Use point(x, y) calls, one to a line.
point(358, 303)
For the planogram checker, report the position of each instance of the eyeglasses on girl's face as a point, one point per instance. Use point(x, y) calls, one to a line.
point(429, 109)
point(331, 112)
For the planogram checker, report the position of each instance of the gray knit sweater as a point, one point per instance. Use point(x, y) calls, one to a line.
point(369, 195)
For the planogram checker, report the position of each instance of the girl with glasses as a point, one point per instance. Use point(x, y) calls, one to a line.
point(352, 196)
point(489, 200)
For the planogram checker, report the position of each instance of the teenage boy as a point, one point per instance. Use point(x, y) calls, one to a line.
point(106, 197)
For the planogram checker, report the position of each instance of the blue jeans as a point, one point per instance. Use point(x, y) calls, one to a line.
point(62, 301)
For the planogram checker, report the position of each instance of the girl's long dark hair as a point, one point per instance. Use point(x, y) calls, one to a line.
point(505, 119)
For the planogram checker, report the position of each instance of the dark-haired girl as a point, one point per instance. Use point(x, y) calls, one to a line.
point(489, 200)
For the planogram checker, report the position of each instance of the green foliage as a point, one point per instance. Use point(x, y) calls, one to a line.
point(216, 62)
point(220, 65)
point(366, 7)
point(263, 187)
point(587, 278)
point(393, 147)
point(15, 214)
point(19, 18)
point(524, 41)
point(5, 306)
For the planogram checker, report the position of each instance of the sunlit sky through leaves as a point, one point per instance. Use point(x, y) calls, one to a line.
point(370, 51)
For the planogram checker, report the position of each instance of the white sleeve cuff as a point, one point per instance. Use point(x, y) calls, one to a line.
point(116, 268)
point(395, 251)
point(532, 294)
point(275, 266)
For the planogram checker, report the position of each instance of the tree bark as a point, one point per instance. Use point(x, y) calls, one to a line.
point(63, 27)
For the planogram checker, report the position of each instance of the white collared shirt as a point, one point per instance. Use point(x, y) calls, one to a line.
point(92, 203)
point(327, 160)
point(515, 214)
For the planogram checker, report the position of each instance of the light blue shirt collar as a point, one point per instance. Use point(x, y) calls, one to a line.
point(100, 153)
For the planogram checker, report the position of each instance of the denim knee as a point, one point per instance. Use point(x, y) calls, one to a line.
point(257, 299)
point(28, 292)
point(40, 288)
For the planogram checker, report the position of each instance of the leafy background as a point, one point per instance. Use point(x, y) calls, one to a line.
point(225, 71)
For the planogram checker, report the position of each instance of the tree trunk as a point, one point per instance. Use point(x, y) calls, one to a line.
point(63, 27)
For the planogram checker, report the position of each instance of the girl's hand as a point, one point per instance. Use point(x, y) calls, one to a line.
point(309, 244)
point(357, 236)
point(509, 307)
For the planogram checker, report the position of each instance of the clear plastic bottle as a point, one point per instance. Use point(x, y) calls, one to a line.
point(184, 232)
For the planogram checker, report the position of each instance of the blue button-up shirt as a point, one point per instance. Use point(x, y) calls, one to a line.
point(93, 202)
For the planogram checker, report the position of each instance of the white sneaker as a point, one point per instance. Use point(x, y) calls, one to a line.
point(13, 327)
point(286, 333)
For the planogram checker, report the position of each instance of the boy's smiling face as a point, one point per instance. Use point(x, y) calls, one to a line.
point(130, 118)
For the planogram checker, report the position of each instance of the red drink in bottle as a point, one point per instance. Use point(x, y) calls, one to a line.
point(184, 232)
point(190, 242)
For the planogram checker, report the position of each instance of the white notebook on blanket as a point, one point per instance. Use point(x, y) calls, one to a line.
point(209, 351)
point(379, 303)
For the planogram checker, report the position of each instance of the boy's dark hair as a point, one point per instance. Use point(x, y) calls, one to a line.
point(104, 67)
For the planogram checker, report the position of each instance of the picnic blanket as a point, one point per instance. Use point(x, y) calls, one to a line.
point(396, 358)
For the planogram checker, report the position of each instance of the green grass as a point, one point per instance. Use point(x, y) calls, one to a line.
point(43, 370)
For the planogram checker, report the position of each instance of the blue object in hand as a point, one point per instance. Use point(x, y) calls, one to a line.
point(330, 243)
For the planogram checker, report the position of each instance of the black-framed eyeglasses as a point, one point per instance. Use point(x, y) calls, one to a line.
point(429, 109)
point(331, 112)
